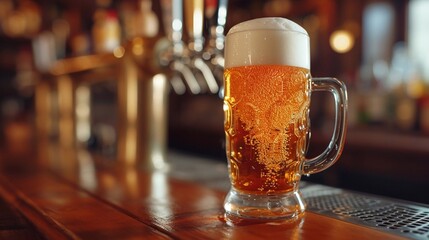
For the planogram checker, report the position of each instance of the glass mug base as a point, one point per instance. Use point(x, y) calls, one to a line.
point(283, 207)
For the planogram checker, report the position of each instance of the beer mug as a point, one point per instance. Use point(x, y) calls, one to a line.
point(267, 127)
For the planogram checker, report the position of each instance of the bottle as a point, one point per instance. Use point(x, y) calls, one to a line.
point(146, 21)
point(106, 31)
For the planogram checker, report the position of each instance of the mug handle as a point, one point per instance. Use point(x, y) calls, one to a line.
point(331, 154)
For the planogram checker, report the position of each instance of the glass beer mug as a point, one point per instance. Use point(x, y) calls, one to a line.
point(267, 98)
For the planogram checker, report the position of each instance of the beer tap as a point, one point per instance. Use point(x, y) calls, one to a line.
point(173, 25)
point(216, 12)
point(217, 20)
point(138, 68)
point(194, 11)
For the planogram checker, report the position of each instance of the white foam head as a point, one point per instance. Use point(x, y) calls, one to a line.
point(267, 41)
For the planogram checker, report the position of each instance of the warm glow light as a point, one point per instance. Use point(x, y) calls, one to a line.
point(195, 22)
point(159, 84)
point(66, 111)
point(131, 114)
point(83, 113)
point(119, 52)
point(137, 46)
point(198, 24)
point(158, 88)
point(132, 180)
point(87, 176)
point(341, 41)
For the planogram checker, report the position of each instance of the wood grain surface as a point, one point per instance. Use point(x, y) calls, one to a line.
point(120, 203)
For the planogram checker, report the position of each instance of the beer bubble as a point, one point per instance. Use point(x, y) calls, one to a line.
point(266, 142)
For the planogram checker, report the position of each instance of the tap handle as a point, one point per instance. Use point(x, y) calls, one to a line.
point(216, 12)
point(167, 17)
point(194, 19)
point(172, 12)
point(221, 18)
point(210, 11)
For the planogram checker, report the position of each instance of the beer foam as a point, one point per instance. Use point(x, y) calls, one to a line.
point(267, 41)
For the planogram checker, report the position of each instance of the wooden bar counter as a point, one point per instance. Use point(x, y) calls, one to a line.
point(99, 201)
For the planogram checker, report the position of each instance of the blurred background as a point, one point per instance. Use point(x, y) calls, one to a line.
point(377, 47)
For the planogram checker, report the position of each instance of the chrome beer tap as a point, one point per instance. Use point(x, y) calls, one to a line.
point(192, 65)
point(143, 69)
point(213, 54)
point(194, 13)
point(174, 55)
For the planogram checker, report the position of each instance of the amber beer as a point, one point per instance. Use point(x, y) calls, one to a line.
point(266, 123)
point(267, 97)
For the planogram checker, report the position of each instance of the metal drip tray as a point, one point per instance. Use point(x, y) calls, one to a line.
point(398, 217)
